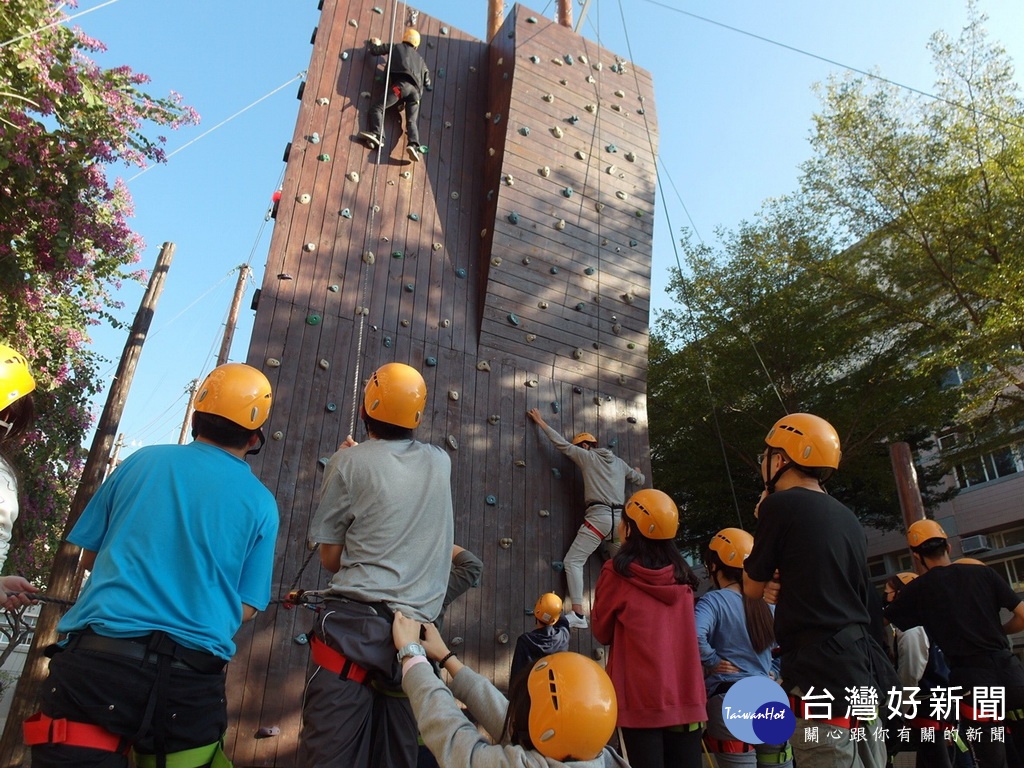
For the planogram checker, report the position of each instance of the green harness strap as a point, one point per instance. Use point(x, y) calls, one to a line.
point(210, 754)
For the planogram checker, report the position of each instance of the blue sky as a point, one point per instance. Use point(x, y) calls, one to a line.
point(734, 116)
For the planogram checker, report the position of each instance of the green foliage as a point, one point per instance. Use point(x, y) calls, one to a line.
point(65, 242)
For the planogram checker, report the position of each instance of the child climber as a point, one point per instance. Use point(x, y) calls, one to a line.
point(550, 635)
point(643, 607)
point(561, 712)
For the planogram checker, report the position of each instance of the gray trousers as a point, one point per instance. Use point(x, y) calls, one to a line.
point(836, 747)
point(585, 544)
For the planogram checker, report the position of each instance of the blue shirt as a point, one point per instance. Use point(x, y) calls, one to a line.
point(184, 534)
point(722, 634)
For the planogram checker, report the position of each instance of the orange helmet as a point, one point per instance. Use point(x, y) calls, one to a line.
point(396, 394)
point(808, 440)
point(237, 392)
point(15, 377)
point(412, 37)
point(584, 437)
point(906, 577)
point(654, 512)
point(923, 530)
point(968, 561)
point(572, 707)
point(732, 545)
point(548, 608)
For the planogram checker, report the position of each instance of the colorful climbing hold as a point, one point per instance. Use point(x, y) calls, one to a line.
point(345, 213)
point(513, 319)
point(313, 319)
point(567, 192)
point(430, 362)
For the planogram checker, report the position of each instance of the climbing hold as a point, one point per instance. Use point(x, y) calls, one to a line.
point(446, 323)
point(455, 195)
point(397, 255)
point(597, 401)
point(631, 419)
point(493, 418)
point(557, 132)
point(590, 79)
point(273, 362)
point(577, 390)
point(513, 319)
point(632, 243)
point(324, 158)
point(620, 93)
point(345, 213)
point(622, 378)
point(572, 119)
point(588, 271)
point(322, 461)
point(596, 345)
point(611, 148)
point(453, 395)
point(580, 306)
point(544, 304)
point(535, 59)
point(460, 272)
point(483, 365)
point(490, 151)
point(444, 30)
point(568, 59)
point(631, 345)
point(436, 246)
point(580, 154)
point(452, 442)
point(544, 513)
point(553, 270)
point(368, 257)
point(405, 174)
point(639, 214)
point(598, 207)
point(545, 171)
point(364, 95)
point(331, 407)
point(309, 247)
point(359, 311)
point(591, 108)
point(505, 543)
point(496, 261)
point(531, 337)
point(440, 72)
point(557, 62)
point(447, 123)
point(531, 19)
point(531, 382)
point(266, 732)
point(353, 176)
point(525, 130)
point(555, 407)
point(556, 473)
point(502, 636)
point(616, 329)
point(617, 107)
point(409, 287)
point(314, 138)
point(404, 323)
point(548, 97)
point(621, 195)
point(610, 170)
point(526, 259)
point(560, 224)
point(628, 298)
point(324, 364)
point(520, 463)
point(567, 192)
point(387, 341)
point(456, 642)
point(513, 218)
point(509, 181)
point(414, 217)
point(578, 353)
point(496, 119)
point(378, 9)
point(631, 156)
point(430, 362)
point(312, 319)
point(304, 198)
point(599, 66)
point(278, 435)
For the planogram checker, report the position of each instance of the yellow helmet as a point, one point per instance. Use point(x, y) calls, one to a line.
point(237, 392)
point(572, 707)
point(584, 437)
point(396, 394)
point(654, 512)
point(15, 377)
point(808, 440)
point(412, 37)
point(922, 530)
point(732, 545)
point(548, 608)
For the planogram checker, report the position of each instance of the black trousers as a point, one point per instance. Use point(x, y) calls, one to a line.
point(662, 747)
point(403, 94)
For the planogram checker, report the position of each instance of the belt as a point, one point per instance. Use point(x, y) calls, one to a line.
point(612, 507)
point(138, 649)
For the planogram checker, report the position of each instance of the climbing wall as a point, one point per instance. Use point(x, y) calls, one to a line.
point(511, 267)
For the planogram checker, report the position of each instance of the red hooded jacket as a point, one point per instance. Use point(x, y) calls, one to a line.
point(654, 662)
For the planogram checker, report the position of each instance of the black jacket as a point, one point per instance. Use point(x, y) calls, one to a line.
point(404, 63)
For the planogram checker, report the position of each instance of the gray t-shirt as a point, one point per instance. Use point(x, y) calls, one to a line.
point(604, 473)
point(389, 503)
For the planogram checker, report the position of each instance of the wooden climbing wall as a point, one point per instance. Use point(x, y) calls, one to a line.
point(426, 264)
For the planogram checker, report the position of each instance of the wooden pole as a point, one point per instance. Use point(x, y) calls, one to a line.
point(112, 462)
point(229, 328)
point(495, 15)
point(911, 505)
point(65, 578)
point(193, 387)
point(565, 13)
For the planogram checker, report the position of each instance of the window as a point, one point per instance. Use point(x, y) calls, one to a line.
point(954, 377)
point(877, 568)
point(988, 466)
point(1013, 571)
point(1008, 538)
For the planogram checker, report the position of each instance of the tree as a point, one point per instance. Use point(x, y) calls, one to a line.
point(898, 261)
point(65, 241)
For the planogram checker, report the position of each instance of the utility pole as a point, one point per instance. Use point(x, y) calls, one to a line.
point(193, 387)
point(565, 13)
point(65, 576)
point(229, 328)
point(906, 483)
point(112, 462)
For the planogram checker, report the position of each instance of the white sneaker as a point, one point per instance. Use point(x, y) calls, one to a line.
point(576, 621)
point(413, 152)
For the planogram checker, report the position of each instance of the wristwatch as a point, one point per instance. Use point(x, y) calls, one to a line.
point(410, 649)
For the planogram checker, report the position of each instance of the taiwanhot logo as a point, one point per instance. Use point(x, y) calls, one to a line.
point(756, 711)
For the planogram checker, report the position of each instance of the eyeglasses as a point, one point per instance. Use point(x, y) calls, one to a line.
point(761, 457)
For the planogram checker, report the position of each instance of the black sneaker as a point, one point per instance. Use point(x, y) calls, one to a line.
point(413, 152)
point(370, 139)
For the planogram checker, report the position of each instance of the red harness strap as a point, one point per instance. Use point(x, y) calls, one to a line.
point(968, 712)
point(730, 747)
point(334, 661)
point(594, 530)
point(43, 729)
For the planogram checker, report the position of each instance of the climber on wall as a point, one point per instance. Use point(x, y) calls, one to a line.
point(407, 78)
point(604, 480)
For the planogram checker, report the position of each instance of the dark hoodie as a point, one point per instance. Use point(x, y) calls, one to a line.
point(654, 663)
point(538, 643)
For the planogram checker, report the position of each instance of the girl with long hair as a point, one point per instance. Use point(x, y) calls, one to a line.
point(643, 608)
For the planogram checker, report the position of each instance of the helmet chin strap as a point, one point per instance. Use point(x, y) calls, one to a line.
point(258, 448)
point(770, 485)
point(7, 426)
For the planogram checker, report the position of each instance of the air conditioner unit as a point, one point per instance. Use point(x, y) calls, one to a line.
point(974, 544)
